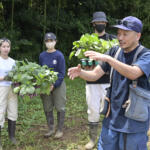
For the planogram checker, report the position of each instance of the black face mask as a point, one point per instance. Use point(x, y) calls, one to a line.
point(99, 27)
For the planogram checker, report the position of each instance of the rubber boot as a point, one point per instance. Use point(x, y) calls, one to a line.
point(11, 131)
point(60, 124)
point(0, 140)
point(93, 127)
point(50, 123)
point(148, 133)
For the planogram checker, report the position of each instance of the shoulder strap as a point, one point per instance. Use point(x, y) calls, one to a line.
point(134, 59)
point(116, 56)
point(140, 48)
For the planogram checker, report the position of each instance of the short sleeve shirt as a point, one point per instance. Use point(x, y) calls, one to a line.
point(120, 91)
point(6, 66)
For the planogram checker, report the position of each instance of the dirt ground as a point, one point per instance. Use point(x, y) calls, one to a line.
point(71, 135)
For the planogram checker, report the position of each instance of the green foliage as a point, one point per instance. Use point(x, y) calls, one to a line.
point(68, 20)
point(91, 42)
point(31, 79)
point(31, 124)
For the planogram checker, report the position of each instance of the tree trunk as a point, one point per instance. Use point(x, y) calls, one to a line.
point(12, 16)
point(58, 12)
point(44, 27)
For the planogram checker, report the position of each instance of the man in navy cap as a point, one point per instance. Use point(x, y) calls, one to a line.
point(96, 90)
point(119, 132)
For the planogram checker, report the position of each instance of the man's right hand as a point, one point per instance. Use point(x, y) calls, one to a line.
point(74, 72)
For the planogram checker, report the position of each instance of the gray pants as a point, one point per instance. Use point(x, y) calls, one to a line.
point(57, 99)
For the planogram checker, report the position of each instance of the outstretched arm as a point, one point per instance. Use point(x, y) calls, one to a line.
point(130, 72)
point(86, 75)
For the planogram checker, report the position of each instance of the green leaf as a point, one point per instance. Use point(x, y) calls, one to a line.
point(22, 91)
point(71, 55)
point(91, 42)
point(16, 90)
point(30, 90)
point(29, 75)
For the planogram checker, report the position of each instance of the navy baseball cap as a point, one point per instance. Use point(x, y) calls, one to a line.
point(50, 36)
point(130, 23)
point(99, 16)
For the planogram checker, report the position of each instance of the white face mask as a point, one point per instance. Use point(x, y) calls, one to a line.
point(50, 45)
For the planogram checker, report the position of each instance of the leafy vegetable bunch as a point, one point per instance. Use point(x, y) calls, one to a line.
point(31, 79)
point(91, 42)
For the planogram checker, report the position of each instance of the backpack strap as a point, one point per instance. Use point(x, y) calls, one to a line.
point(111, 72)
point(140, 48)
point(116, 56)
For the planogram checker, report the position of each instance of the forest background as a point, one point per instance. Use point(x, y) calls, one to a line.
point(25, 22)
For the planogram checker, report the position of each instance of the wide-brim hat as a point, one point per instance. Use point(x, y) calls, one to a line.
point(99, 16)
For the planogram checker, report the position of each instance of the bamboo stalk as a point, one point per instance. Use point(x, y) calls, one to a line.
point(45, 15)
point(12, 16)
point(58, 13)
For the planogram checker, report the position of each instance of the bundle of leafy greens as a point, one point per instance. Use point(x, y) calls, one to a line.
point(31, 79)
point(91, 42)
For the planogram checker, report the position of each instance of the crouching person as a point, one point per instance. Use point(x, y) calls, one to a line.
point(8, 100)
point(54, 59)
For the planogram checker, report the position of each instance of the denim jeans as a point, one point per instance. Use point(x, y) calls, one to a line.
point(113, 140)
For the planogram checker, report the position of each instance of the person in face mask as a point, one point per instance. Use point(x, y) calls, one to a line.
point(54, 59)
point(96, 90)
point(50, 45)
point(100, 27)
point(99, 23)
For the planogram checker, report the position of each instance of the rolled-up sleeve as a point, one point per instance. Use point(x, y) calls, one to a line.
point(143, 62)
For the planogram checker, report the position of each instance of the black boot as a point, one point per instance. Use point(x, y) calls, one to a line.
point(11, 131)
point(60, 124)
point(50, 123)
point(93, 127)
point(0, 140)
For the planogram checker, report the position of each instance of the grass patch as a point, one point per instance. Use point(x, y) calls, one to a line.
point(31, 124)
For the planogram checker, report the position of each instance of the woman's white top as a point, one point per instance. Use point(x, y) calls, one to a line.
point(6, 65)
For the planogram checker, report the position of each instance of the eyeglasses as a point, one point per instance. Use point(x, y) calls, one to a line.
point(124, 23)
